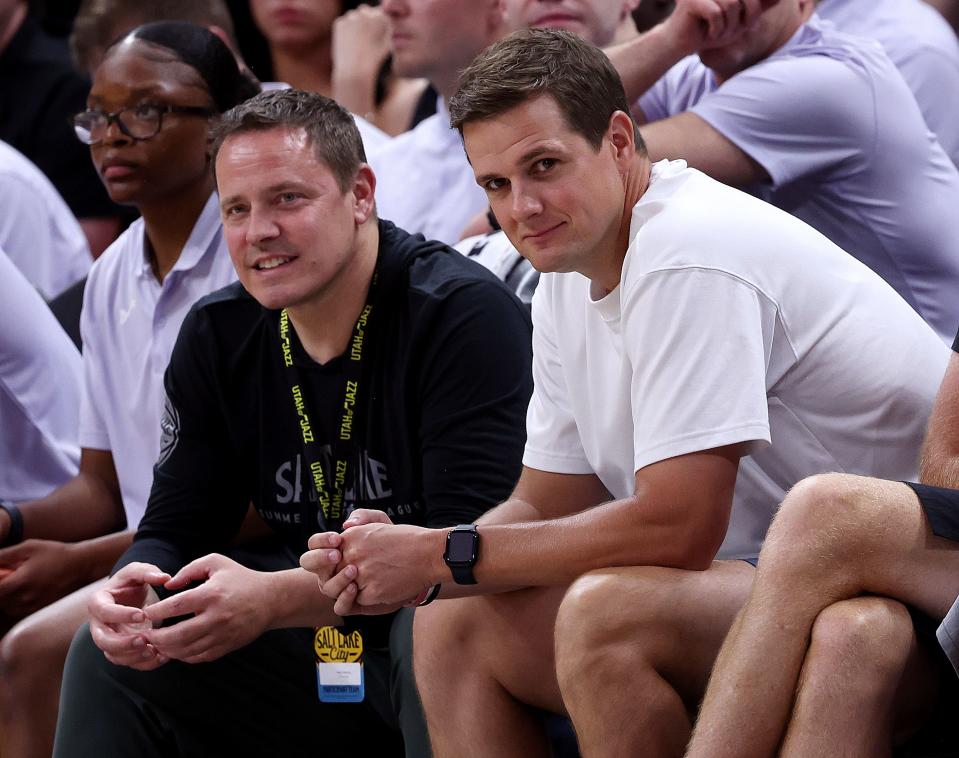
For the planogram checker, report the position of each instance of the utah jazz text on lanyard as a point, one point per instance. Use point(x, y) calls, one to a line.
point(330, 499)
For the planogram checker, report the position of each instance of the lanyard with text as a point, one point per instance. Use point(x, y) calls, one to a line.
point(330, 495)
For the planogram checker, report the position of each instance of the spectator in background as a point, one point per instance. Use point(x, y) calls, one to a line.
point(39, 90)
point(601, 22)
point(921, 45)
point(816, 122)
point(40, 375)
point(41, 235)
point(424, 182)
point(361, 56)
point(149, 110)
point(100, 23)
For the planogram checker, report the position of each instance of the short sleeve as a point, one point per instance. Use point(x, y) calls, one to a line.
point(93, 428)
point(552, 436)
point(796, 115)
point(698, 342)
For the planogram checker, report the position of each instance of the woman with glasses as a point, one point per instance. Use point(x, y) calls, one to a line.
point(146, 124)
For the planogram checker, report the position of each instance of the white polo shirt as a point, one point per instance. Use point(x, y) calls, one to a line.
point(424, 183)
point(37, 228)
point(734, 322)
point(129, 325)
point(40, 376)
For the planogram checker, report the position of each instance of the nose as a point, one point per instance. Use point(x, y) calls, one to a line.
point(394, 8)
point(261, 227)
point(113, 134)
point(526, 204)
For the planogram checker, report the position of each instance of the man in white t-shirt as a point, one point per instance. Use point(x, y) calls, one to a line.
point(37, 228)
point(819, 123)
point(696, 352)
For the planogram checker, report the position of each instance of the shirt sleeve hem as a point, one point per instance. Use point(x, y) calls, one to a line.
point(757, 434)
point(555, 464)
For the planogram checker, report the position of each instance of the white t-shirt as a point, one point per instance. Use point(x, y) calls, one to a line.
point(922, 45)
point(834, 125)
point(734, 322)
point(129, 325)
point(37, 228)
point(40, 377)
point(424, 183)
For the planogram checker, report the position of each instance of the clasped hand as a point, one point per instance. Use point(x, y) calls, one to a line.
point(371, 567)
point(228, 609)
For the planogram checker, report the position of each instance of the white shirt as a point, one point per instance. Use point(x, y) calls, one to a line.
point(40, 377)
point(847, 150)
point(129, 324)
point(424, 183)
point(37, 228)
point(734, 322)
point(922, 45)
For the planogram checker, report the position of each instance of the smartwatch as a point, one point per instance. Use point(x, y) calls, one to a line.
point(462, 550)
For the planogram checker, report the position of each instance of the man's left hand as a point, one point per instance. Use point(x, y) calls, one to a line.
point(373, 566)
point(231, 608)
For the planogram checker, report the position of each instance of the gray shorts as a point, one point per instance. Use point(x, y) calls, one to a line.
point(948, 636)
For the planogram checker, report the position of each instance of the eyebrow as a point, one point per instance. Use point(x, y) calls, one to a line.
point(529, 155)
point(271, 190)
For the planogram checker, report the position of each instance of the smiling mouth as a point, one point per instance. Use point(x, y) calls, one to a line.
point(542, 233)
point(271, 263)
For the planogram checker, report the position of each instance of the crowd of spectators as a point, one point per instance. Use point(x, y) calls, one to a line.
point(479, 377)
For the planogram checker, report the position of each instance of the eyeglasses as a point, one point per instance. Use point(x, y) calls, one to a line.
point(139, 121)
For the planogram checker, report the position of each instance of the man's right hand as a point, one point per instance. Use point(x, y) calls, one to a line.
point(117, 621)
point(712, 23)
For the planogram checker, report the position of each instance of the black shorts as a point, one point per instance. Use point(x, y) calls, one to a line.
point(941, 507)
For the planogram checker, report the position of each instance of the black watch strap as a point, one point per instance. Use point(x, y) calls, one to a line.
point(15, 535)
point(462, 574)
point(462, 552)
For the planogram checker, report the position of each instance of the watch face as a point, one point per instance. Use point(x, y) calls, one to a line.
point(461, 547)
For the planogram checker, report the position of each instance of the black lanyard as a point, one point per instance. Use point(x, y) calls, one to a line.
point(330, 495)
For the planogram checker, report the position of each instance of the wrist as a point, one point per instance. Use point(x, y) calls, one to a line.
point(673, 39)
point(434, 549)
point(13, 524)
point(4, 526)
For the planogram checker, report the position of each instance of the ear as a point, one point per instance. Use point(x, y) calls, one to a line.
point(622, 137)
point(364, 188)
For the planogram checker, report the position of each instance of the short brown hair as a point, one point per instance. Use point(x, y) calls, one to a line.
point(535, 62)
point(330, 127)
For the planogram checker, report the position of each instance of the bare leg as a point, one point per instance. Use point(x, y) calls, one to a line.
point(479, 663)
point(634, 648)
point(864, 674)
point(836, 537)
point(31, 666)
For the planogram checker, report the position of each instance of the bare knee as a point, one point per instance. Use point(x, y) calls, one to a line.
point(599, 620)
point(820, 528)
point(30, 652)
point(871, 638)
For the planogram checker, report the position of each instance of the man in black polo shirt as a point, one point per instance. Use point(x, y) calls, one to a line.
point(356, 366)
